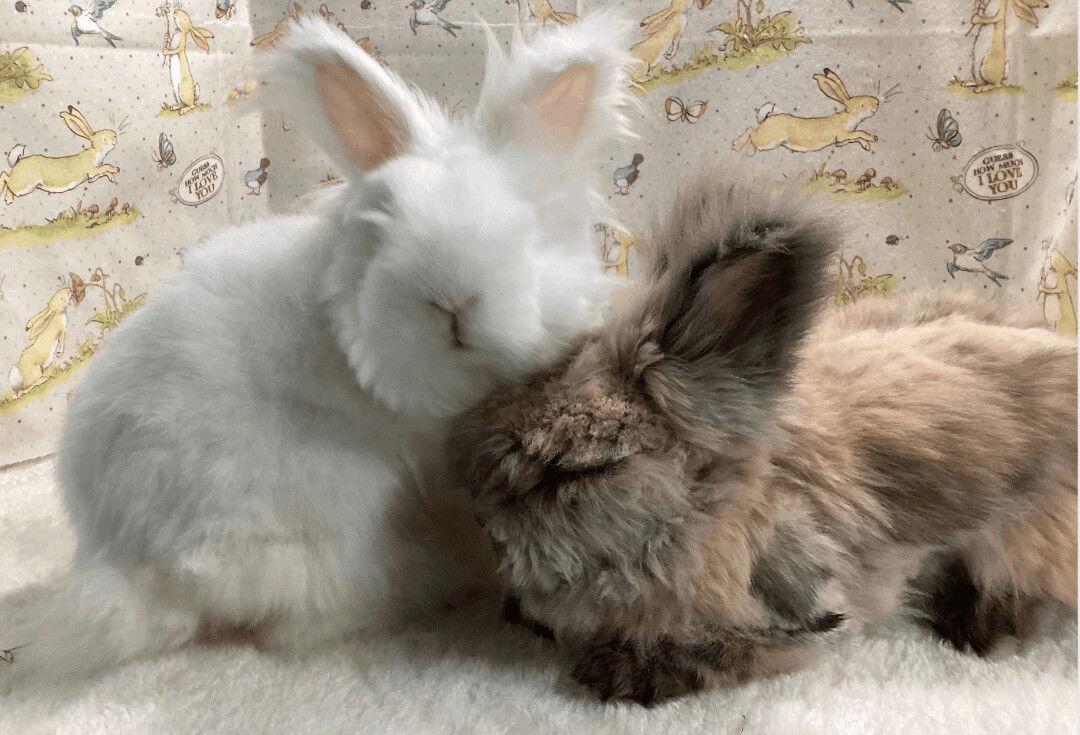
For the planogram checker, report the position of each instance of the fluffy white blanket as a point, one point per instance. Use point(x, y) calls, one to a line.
point(470, 673)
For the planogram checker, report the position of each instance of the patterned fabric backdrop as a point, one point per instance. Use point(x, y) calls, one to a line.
point(943, 133)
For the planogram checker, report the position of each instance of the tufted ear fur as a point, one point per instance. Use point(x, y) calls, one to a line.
point(564, 89)
point(351, 106)
point(739, 276)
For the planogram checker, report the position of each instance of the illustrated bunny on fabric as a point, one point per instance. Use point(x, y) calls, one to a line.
point(46, 330)
point(56, 174)
point(813, 133)
point(185, 90)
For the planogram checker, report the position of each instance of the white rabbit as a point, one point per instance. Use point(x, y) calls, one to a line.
point(250, 447)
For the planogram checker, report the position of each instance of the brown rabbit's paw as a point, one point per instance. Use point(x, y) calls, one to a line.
point(647, 674)
point(512, 614)
point(947, 601)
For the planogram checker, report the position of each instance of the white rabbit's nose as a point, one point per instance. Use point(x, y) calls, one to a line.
point(455, 307)
point(462, 302)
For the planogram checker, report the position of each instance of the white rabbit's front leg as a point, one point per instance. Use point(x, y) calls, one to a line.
point(288, 587)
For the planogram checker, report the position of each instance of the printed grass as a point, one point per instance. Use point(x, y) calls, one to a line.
point(168, 112)
point(1066, 89)
point(850, 191)
point(957, 87)
point(745, 43)
point(852, 283)
point(67, 225)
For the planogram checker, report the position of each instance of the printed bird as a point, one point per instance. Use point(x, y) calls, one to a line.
point(256, 177)
point(86, 21)
point(225, 9)
point(427, 14)
point(625, 176)
point(974, 261)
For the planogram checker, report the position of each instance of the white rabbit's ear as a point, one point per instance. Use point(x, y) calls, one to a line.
point(567, 87)
point(342, 98)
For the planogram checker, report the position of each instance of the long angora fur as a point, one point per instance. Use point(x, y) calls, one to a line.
point(259, 448)
point(728, 470)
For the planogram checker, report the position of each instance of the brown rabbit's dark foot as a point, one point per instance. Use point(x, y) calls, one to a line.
point(512, 614)
point(650, 672)
point(645, 673)
point(947, 600)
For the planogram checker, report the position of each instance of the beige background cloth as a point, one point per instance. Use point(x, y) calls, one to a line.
point(998, 165)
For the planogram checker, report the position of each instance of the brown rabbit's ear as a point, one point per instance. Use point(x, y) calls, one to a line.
point(744, 276)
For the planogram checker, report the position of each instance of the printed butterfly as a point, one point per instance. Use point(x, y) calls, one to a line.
point(948, 132)
point(676, 109)
point(165, 156)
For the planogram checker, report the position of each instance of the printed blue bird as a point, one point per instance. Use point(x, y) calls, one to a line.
point(974, 261)
point(427, 14)
point(225, 9)
point(86, 21)
point(625, 176)
point(256, 177)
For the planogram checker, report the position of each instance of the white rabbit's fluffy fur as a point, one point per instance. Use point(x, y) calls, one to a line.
point(243, 451)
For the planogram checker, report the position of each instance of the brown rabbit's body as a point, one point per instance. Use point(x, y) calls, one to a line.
point(939, 428)
point(725, 474)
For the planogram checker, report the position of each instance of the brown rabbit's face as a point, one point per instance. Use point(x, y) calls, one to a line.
point(580, 486)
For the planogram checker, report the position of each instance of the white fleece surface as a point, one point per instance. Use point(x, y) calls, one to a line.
point(470, 673)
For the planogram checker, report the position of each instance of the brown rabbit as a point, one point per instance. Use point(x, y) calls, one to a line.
point(726, 472)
